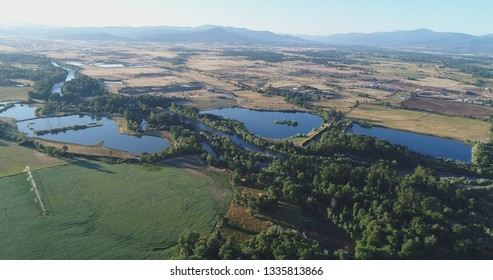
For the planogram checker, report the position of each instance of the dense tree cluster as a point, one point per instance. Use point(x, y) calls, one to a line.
point(417, 216)
point(44, 77)
point(43, 73)
point(266, 56)
point(3, 129)
point(296, 98)
point(482, 158)
point(228, 126)
point(275, 243)
point(83, 86)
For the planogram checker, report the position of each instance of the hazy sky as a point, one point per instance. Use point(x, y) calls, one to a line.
point(318, 17)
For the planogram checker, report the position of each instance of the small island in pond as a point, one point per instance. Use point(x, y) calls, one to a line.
point(288, 122)
point(66, 128)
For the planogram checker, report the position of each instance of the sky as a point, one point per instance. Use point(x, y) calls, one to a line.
point(312, 17)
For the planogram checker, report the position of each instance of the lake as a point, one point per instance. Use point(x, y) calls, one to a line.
point(20, 112)
point(424, 144)
point(263, 123)
point(108, 133)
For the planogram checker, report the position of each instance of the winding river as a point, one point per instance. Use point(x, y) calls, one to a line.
point(57, 88)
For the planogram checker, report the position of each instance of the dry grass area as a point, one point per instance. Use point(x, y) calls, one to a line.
point(122, 125)
point(5, 48)
point(14, 93)
point(121, 73)
point(362, 77)
point(424, 123)
point(163, 80)
point(254, 100)
point(444, 83)
point(241, 223)
point(205, 100)
point(87, 150)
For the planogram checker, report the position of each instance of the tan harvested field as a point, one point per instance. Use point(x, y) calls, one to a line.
point(443, 83)
point(450, 108)
point(364, 77)
point(121, 73)
point(164, 80)
point(4, 48)
point(204, 100)
point(14, 93)
point(425, 123)
point(15, 158)
point(254, 100)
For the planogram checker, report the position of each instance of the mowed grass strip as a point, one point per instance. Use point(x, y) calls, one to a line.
point(425, 123)
point(102, 211)
point(15, 158)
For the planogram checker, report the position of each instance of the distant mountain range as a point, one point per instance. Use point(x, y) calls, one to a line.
point(414, 39)
point(423, 39)
point(202, 34)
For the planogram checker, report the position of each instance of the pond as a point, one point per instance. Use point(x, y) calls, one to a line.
point(20, 112)
point(109, 65)
point(115, 82)
point(107, 133)
point(75, 63)
point(428, 145)
point(236, 139)
point(263, 123)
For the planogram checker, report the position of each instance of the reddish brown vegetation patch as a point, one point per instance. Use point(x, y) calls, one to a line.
point(449, 108)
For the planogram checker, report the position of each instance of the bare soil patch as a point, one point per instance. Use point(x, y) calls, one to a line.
point(449, 108)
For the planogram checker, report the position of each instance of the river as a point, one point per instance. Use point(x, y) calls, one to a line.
point(57, 88)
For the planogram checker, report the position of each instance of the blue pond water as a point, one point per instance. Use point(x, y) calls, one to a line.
point(428, 145)
point(262, 123)
point(19, 112)
point(108, 133)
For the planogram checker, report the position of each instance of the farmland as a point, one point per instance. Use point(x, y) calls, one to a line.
point(449, 108)
point(14, 93)
point(101, 211)
point(15, 158)
point(218, 178)
point(423, 122)
point(235, 76)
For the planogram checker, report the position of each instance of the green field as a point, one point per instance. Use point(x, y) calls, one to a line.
point(14, 158)
point(102, 211)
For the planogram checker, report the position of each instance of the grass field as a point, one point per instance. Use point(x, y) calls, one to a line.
point(425, 123)
point(101, 211)
point(14, 158)
point(87, 150)
point(14, 93)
